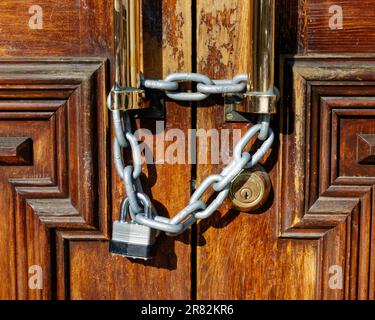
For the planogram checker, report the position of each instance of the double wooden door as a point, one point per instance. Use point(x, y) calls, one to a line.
point(315, 238)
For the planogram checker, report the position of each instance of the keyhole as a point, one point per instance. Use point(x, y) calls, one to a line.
point(246, 194)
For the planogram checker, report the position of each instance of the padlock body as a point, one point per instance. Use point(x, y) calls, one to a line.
point(132, 240)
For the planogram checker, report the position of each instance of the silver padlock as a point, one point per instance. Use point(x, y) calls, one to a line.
point(130, 239)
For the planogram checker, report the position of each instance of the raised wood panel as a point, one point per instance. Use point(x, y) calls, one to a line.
point(350, 119)
point(324, 192)
point(366, 148)
point(62, 188)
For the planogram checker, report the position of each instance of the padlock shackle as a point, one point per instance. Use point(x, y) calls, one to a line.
point(147, 204)
point(125, 208)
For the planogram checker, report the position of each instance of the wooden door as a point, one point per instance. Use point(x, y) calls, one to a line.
point(314, 239)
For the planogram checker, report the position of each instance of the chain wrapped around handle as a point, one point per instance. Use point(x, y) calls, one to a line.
point(135, 238)
point(196, 209)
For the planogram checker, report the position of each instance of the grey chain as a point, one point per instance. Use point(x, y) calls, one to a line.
point(205, 86)
point(197, 209)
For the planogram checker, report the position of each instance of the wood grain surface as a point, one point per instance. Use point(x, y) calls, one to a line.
point(60, 192)
point(76, 263)
point(70, 28)
point(167, 30)
point(357, 33)
point(238, 256)
point(288, 248)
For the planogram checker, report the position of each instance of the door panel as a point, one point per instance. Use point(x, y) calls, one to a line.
point(166, 33)
point(58, 212)
point(320, 218)
point(325, 189)
point(54, 106)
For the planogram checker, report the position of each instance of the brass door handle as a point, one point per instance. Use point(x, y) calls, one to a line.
point(127, 93)
point(262, 96)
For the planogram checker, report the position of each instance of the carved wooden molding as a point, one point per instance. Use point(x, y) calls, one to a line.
point(325, 194)
point(63, 101)
point(15, 151)
point(366, 149)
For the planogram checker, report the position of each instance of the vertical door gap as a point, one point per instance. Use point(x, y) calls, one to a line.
point(194, 230)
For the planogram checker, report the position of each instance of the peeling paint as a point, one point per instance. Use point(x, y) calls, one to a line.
point(175, 33)
point(217, 47)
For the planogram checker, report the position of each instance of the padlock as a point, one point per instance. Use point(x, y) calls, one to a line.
point(130, 239)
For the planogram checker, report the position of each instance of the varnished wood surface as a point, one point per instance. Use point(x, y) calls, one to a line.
point(337, 90)
point(67, 257)
point(168, 275)
point(286, 251)
point(60, 192)
point(59, 189)
point(70, 28)
point(239, 255)
point(356, 35)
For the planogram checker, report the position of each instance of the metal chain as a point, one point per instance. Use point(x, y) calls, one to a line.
point(220, 183)
point(205, 86)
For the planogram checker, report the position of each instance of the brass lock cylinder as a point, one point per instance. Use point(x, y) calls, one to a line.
point(251, 189)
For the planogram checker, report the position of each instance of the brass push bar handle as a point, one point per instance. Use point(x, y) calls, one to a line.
point(262, 95)
point(127, 92)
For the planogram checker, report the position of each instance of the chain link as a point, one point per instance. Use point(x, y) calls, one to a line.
point(220, 183)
